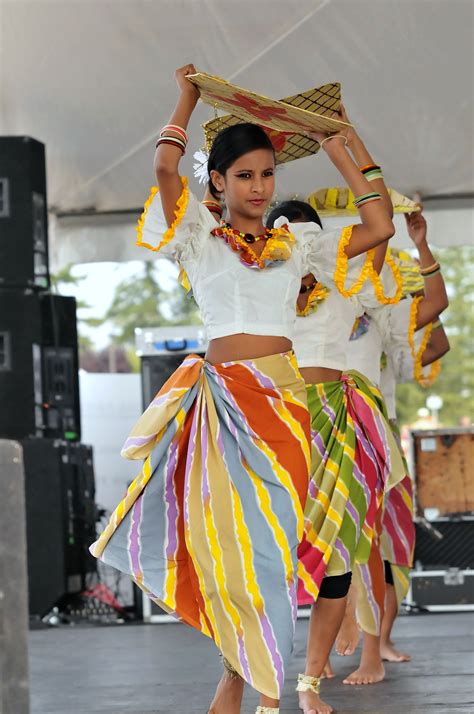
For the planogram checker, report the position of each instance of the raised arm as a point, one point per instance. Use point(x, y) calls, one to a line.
point(168, 155)
point(365, 161)
point(376, 215)
point(435, 298)
point(437, 346)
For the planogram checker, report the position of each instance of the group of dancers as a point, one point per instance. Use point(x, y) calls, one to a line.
point(273, 474)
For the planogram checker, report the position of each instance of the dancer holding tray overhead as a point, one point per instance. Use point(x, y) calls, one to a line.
point(211, 525)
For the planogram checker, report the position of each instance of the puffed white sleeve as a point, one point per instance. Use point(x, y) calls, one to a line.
point(323, 255)
point(183, 240)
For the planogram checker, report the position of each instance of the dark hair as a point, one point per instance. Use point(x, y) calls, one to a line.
point(295, 211)
point(232, 143)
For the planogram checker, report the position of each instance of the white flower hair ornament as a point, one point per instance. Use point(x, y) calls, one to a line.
point(200, 166)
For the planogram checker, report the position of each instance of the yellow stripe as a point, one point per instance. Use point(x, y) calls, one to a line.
point(273, 522)
point(309, 584)
point(246, 550)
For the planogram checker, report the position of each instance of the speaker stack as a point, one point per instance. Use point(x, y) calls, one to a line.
point(39, 384)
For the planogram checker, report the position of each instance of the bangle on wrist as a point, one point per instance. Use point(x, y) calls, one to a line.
point(372, 172)
point(432, 274)
point(173, 141)
point(430, 268)
point(173, 134)
point(333, 136)
point(366, 198)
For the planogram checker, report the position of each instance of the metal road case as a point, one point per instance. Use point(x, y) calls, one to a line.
point(446, 590)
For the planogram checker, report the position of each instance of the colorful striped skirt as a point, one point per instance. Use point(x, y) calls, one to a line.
point(210, 527)
point(395, 543)
point(354, 461)
point(398, 528)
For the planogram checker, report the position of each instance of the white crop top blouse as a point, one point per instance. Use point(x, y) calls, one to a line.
point(321, 336)
point(364, 353)
point(388, 332)
point(232, 297)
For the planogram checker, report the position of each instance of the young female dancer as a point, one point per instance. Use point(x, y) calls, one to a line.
point(393, 329)
point(211, 525)
point(353, 450)
point(353, 456)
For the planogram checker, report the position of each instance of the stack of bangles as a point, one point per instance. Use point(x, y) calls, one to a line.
point(214, 207)
point(366, 198)
point(372, 172)
point(174, 135)
point(430, 271)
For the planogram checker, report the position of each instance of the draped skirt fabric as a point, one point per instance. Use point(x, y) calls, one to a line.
point(398, 528)
point(354, 461)
point(209, 529)
point(394, 542)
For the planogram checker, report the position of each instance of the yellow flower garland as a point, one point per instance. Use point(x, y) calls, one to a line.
point(429, 379)
point(342, 261)
point(377, 283)
point(418, 356)
point(181, 206)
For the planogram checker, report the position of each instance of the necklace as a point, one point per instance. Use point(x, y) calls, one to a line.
point(249, 237)
point(277, 248)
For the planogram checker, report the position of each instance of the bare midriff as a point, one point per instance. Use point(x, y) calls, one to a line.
point(245, 346)
point(316, 375)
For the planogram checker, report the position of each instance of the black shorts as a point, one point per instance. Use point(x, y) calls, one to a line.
point(335, 586)
point(388, 573)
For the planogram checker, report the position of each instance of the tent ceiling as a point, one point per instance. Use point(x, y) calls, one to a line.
point(93, 79)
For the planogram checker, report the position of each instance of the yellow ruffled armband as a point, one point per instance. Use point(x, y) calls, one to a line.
point(180, 210)
point(424, 381)
point(342, 261)
point(377, 283)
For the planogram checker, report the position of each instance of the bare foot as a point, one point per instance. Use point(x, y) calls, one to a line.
point(390, 654)
point(311, 703)
point(328, 672)
point(348, 637)
point(366, 674)
point(228, 696)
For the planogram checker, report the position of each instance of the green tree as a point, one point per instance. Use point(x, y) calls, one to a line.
point(137, 302)
point(455, 385)
point(183, 307)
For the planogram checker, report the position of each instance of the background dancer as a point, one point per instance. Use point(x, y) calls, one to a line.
point(351, 447)
point(391, 328)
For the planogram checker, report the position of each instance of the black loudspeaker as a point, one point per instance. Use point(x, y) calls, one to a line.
point(23, 213)
point(155, 370)
point(60, 519)
point(39, 380)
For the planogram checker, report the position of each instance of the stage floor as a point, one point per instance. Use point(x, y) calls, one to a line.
point(170, 669)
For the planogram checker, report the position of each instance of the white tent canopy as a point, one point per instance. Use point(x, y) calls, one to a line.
point(93, 80)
